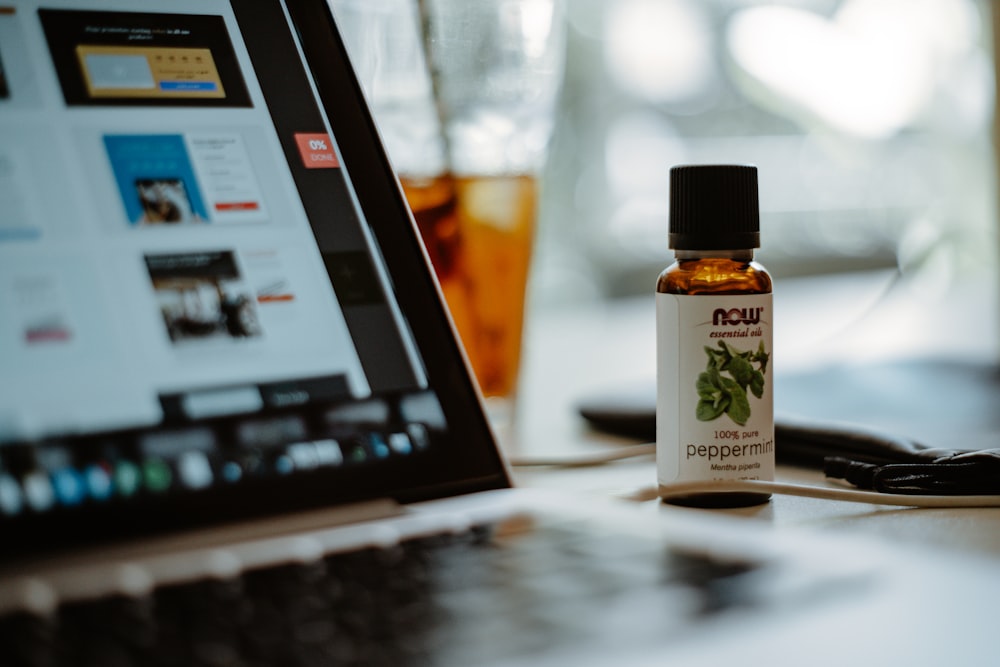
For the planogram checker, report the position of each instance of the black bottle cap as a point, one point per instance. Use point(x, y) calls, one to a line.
point(714, 207)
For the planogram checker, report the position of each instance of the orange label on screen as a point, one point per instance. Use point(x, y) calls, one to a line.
point(316, 151)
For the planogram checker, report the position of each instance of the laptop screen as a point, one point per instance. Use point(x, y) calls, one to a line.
point(213, 303)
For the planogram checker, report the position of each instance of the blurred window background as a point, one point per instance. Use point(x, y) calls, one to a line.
point(870, 121)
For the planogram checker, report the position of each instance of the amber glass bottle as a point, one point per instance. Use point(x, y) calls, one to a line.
point(715, 415)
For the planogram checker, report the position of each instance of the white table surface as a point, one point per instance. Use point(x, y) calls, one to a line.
point(573, 351)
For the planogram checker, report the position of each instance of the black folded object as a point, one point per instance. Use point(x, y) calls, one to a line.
point(887, 463)
point(863, 456)
point(809, 442)
point(948, 402)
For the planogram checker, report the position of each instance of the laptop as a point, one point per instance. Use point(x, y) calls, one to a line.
point(237, 428)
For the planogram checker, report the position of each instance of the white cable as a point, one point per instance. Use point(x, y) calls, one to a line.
point(582, 461)
point(752, 485)
point(811, 491)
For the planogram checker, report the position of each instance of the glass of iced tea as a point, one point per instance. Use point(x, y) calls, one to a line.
point(464, 95)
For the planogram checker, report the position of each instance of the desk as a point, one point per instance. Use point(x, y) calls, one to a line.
point(574, 351)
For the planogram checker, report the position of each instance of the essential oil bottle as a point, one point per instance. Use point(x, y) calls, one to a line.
point(715, 407)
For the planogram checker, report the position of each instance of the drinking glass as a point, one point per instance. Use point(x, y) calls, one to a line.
point(464, 94)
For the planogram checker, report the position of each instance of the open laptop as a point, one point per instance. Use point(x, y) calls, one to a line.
point(236, 426)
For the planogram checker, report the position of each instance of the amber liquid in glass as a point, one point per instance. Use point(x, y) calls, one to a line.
point(717, 276)
point(479, 231)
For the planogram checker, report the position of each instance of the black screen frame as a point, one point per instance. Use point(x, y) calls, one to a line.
point(468, 461)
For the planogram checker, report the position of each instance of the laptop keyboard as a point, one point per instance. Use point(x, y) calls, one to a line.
point(501, 593)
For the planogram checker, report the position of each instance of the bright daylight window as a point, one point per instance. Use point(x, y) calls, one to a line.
point(870, 122)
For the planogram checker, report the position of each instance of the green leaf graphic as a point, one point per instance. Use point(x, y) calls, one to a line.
point(720, 394)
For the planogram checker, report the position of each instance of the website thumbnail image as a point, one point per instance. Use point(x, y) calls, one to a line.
point(203, 295)
point(200, 178)
point(143, 59)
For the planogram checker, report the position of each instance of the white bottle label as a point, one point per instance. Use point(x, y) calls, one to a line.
point(715, 405)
